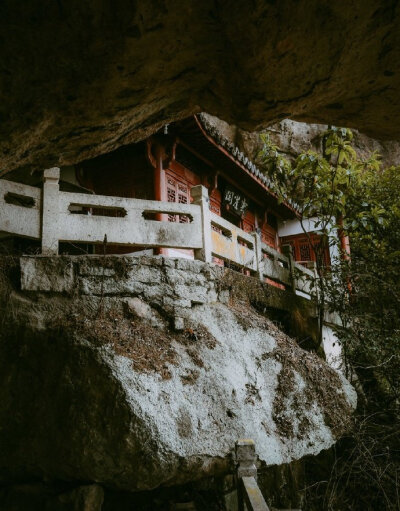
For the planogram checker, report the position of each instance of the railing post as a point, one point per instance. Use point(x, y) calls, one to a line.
point(200, 198)
point(245, 452)
point(235, 245)
point(287, 250)
point(258, 255)
point(50, 211)
point(249, 495)
point(313, 268)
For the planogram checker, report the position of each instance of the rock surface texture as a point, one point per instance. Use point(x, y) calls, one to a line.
point(137, 372)
point(293, 138)
point(82, 78)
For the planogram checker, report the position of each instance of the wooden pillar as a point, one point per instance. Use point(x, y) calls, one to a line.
point(160, 189)
point(159, 176)
point(344, 249)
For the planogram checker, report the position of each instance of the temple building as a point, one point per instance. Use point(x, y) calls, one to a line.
point(184, 192)
point(165, 168)
point(182, 155)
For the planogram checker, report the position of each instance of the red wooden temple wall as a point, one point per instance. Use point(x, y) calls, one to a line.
point(302, 249)
point(132, 172)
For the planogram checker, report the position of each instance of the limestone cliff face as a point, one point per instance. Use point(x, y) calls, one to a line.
point(81, 78)
point(295, 137)
point(139, 372)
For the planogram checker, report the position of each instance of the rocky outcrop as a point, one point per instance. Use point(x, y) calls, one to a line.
point(82, 78)
point(138, 372)
point(293, 137)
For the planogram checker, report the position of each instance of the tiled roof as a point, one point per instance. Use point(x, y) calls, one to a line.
point(213, 132)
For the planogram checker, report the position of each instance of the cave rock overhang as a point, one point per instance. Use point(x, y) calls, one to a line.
point(81, 81)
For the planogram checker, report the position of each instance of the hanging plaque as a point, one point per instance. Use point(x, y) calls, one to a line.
point(235, 202)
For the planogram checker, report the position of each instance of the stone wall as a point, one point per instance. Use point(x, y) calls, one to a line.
point(172, 284)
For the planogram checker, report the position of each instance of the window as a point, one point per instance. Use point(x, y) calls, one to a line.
point(177, 192)
point(305, 252)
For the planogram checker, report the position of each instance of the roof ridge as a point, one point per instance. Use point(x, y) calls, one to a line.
point(234, 150)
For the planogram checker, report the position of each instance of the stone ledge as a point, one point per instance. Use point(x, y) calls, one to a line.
point(47, 274)
point(171, 283)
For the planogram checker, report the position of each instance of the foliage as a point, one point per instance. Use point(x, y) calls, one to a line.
point(363, 199)
point(370, 308)
point(320, 185)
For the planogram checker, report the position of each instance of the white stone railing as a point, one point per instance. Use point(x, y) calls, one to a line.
point(20, 207)
point(304, 278)
point(54, 216)
point(249, 496)
point(233, 244)
point(135, 225)
point(275, 265)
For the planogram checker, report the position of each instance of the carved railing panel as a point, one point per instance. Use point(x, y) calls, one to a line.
point(232, 243)
point(55, 216)
point(20, 207)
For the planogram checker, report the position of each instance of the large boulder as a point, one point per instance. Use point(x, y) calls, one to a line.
point(105, 384)
point(81, 78)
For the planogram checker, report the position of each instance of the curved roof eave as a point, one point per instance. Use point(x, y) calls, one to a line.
point(233, 152)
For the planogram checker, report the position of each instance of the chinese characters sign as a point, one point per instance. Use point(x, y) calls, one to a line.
point(236, 202)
